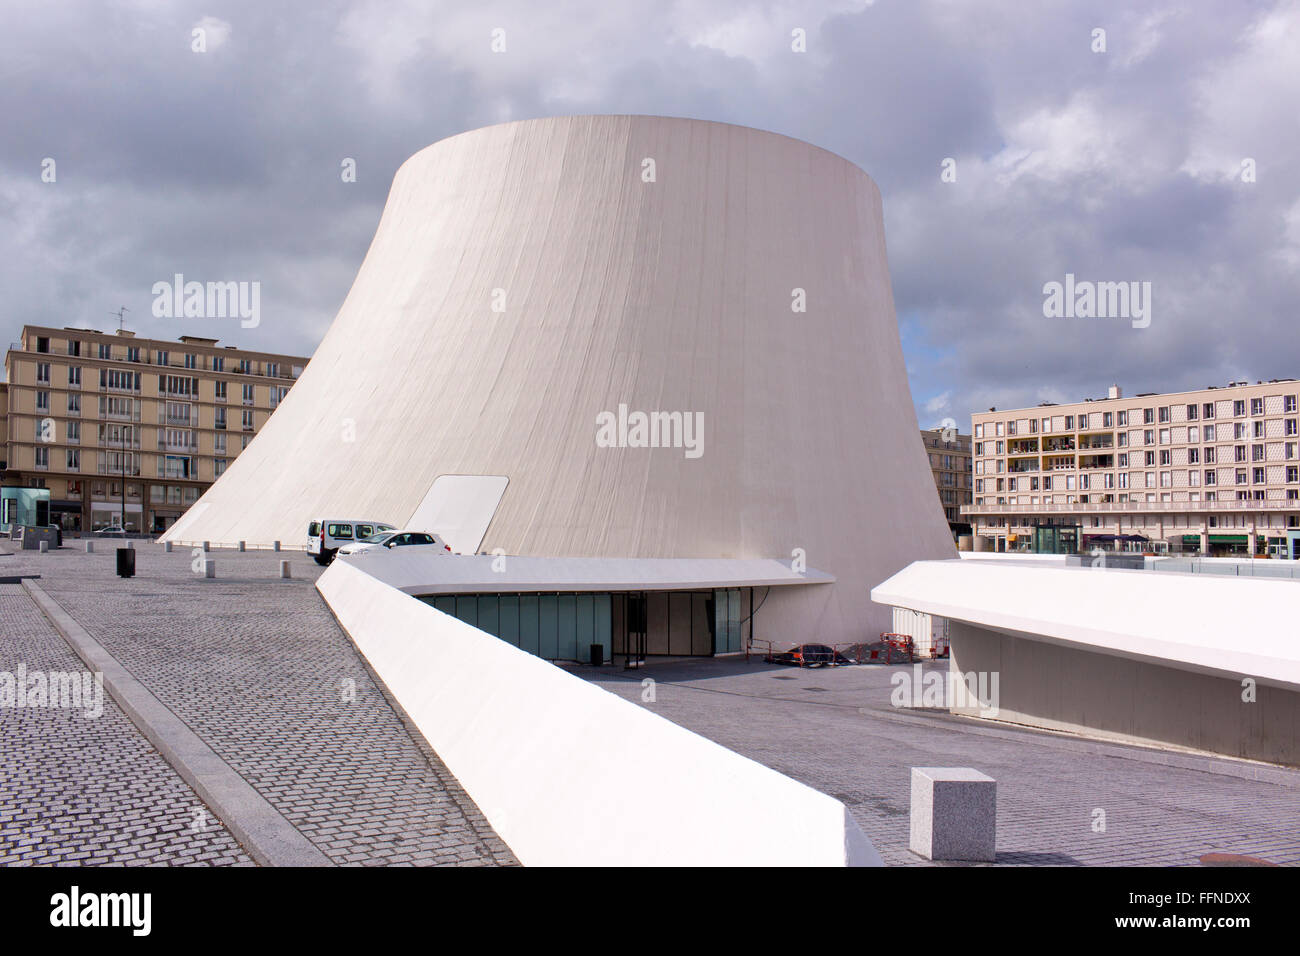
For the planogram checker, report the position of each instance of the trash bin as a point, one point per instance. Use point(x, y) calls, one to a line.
point(126, 562)
point(597, 655)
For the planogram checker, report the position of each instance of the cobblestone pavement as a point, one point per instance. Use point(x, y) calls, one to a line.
point(260, 670)
point(80, 789)
point(834, 730)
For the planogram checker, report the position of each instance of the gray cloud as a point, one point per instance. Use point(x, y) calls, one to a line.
point(1118, 165)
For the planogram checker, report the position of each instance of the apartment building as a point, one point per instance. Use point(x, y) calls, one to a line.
point(950, 463)
point(1212, 472)
point(125, 429)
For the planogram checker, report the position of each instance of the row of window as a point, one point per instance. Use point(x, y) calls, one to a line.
point(1255, 476)
point(118, 407)
point(1150, 416)
point(1195, 456)
point(1258, 429)
point(126, 463)
point(163, 357)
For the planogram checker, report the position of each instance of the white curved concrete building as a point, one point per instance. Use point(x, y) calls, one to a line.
point(528, 281)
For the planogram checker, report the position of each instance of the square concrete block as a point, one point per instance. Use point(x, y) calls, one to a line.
point(954, 814)
point(209, 568)
point(44, 547)
point(90, 547)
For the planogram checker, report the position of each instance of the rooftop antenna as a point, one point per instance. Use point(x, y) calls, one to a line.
point(119, 315)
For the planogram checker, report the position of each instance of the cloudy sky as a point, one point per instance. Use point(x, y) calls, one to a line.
point(1171, 156)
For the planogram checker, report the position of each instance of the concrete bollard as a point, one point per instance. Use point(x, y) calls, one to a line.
point(275, 545)
point(284, 570)
point(167, 547)
point(209, 568)
point(954, 814)
point(44, 547)
point(130, 544)
point(241, 546)
point(90, 547)
point(207, 546)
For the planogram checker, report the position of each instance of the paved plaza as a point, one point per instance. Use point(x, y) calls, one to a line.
point(835, 730)
point(259, 670)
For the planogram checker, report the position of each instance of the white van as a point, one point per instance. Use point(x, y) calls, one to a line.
point(326, 536)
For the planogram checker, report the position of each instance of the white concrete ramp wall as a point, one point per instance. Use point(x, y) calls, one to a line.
point(569, 774)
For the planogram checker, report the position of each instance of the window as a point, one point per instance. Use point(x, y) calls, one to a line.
point(248, 395)
point(1166, 459)
point(1238, 452)
point(42, 401)
point(74, 459)
point(42, 344)
point(1210, 477)
point(1123, 460)
point(43, 373)
point(220, 391)
point(1123, 439)
point(1207, 410)
point(1193, 456)
point(1107, 419)
point(1289, 403)
point(1148, 416)
point(1238, 408)
point(1149, 437)
point(1289, 426)
point(112, 378)
point(191, 361)
point(1289, 450)
point(1241, 476)
point(245, 367)
point(1164, 414)
point(248, 420)
point(1193, 434)
point(273, 369)
point(1150, 459)
point(74, 404)
point(1191, 412)
point(42, 458)
point(1256, 452)
point(132, 353)
point(1121, 418)
point(279, 392)
point(1238, 430)
point(1209, 455)
point(219, 440)
point(105, 351)
point(1069, 422)
point(218, 363)
point(1164, 436)
point(74, 347)
point(220, 418)
point(1257, 406)
point(1258, 429)
point(1292, 473)
point(1257, 476)
point(1209, 433)
point(219, 466)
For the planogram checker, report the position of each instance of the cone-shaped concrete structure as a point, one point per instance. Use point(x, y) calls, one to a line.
point(529, 279)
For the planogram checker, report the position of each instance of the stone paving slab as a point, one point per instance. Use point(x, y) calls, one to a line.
point(834, 729)
point(82, 790)
point(260, 670)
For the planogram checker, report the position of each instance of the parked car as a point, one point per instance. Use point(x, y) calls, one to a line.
point(809, 655)
point(397, 539)
point(325, 537)
point(113, 530)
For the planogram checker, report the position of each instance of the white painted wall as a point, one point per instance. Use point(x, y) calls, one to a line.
point(667, 296)
point(569, 774)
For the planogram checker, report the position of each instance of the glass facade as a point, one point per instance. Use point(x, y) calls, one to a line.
point(563, 627)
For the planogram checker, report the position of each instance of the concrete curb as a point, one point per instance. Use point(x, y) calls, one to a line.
point(268, 837)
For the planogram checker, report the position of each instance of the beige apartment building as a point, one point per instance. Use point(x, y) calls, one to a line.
point(121, 428)
point(950, 463)
point(1212, 471)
